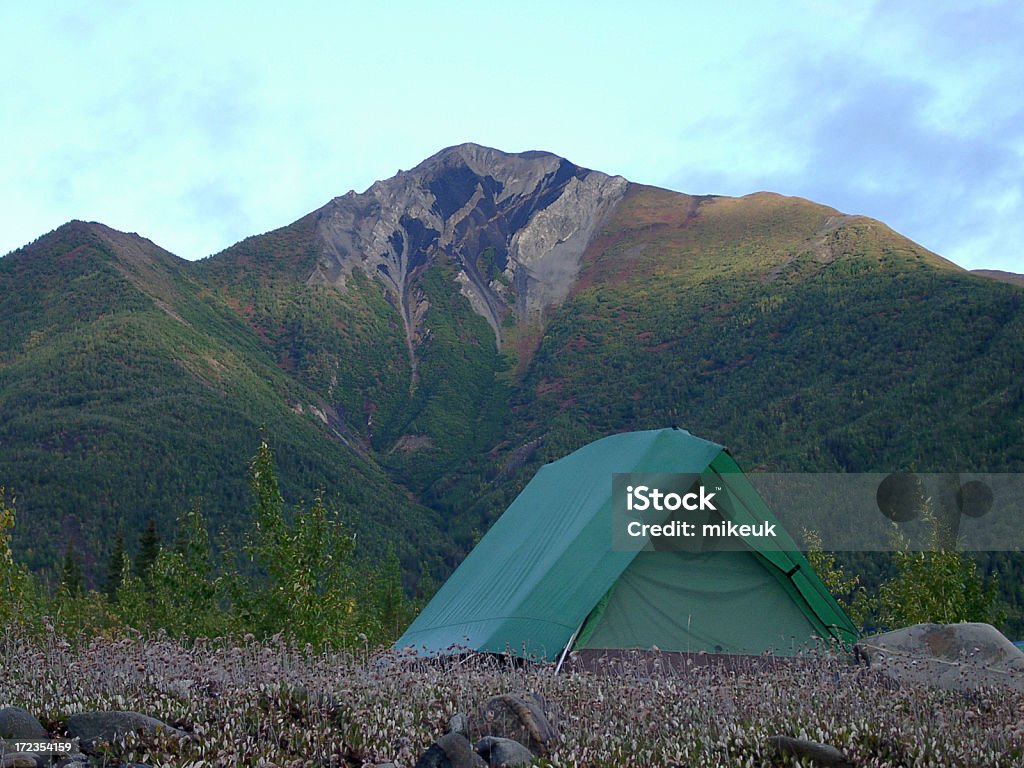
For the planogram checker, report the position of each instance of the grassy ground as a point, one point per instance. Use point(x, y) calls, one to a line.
point(249, 704)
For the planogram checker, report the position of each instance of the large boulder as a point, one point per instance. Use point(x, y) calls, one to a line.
point(452, 750)
point(524, 717)
point(961, 657)
point(18, 723)
point(92, 728)
point(503, 753)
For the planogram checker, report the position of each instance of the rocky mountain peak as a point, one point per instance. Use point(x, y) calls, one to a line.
point(514, 225)
point(516, 172)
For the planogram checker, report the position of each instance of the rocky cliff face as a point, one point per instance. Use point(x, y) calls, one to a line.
point(515, 226)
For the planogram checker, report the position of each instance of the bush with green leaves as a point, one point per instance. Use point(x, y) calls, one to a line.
point(847, 590)
point(304, 583)
point(935, 584)
point(302, 580)
point(180, 592)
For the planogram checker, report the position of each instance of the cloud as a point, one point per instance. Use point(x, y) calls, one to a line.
point(913, 121)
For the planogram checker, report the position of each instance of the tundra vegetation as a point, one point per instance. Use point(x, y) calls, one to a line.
point(247, 702)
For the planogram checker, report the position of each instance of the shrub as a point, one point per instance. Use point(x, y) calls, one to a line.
point(937, 584)
point(847, 590)
point(19, 599)
point(307, 586)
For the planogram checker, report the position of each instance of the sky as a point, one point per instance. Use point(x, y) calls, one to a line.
point(197, 124)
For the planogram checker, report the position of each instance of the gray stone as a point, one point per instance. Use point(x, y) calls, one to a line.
point(960, 657)
point(22, 760)
point(819, 754)
point(523, 717)
point(93, 727)
point(503, 753)
point(452, 750)
point(458, 724)
point(18, 723)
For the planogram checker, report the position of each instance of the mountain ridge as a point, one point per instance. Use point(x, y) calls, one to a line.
point(418, 349)
point(1013, 278)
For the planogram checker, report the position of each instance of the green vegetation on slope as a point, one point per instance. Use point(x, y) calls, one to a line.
point(117, 406)
point(348, 346)
point(803, 340)
point(458, 399)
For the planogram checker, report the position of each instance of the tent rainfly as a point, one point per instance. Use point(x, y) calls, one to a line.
point(546, 578)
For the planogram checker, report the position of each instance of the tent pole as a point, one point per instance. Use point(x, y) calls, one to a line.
point(568, 646)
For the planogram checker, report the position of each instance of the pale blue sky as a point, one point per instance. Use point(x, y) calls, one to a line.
point(197, 124)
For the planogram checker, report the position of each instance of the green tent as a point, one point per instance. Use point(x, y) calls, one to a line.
point(547, 576)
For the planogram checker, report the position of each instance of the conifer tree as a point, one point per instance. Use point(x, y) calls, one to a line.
point(71, 573)
point(116, 567)
point(149, 550)
point(394, 610)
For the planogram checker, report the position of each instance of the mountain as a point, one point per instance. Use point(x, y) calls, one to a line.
point(126, 393)
point(997, 274)
point(417, 350)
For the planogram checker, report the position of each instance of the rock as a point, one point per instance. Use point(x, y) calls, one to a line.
point(818, 754)
point(960, 657)
point(537, 212)
point(523, 717)
point(452, 750)
point(21, 760)
point(76, 760)
point(18, 723)
point(93, 727)
point(458, 724)
point(503, 752)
